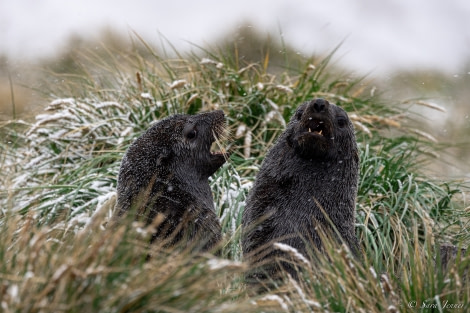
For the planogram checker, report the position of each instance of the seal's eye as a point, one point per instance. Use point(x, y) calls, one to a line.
point(191, 134)
point(342, 121)
point(298, 115)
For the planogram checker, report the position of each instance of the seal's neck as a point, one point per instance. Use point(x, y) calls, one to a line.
point(289, 165)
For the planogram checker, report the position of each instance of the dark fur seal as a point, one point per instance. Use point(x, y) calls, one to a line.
point(163, 179)
point(311, 170)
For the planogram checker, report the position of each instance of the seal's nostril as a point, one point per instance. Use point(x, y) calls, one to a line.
point(320, 105)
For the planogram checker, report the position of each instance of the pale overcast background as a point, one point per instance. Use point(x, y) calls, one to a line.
point(379, 35)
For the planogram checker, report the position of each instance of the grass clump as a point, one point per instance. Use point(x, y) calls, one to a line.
point(59, 178)
point(53, 269)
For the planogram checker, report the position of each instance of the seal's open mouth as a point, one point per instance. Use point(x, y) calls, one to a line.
point(316, 126)
point(215, 153)
point(218, 142)
point(217, 149)
point(313, 138)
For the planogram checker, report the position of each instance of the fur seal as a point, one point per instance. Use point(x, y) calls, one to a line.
point(163, 179)
point(311, 171)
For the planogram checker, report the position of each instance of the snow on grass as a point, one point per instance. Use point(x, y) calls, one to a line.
point(60, 103)
point(58, 166)
point(146, 95)
point(292, 252)
point(284, 88)
point(217, 264)
point(302, 295)
point(47, 118)
point(178, 84)
point(230, 191)
point(273, 298)
point(207, 61)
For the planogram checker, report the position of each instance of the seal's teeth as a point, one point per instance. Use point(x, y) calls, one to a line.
point(309, 130)
point(320, 132)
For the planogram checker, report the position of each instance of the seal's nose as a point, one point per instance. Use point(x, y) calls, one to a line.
point(320, 105)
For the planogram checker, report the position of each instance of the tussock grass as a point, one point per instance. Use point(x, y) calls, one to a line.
point(54, 269)
point(59, 176)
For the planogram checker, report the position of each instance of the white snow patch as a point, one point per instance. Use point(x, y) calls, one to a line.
point(292, 251)
point(20, 180)
point(58, 103)
point(13, 292)
point(97, 184)
point(274, 115)
point(146, 95)
point(277, 299)
point(53, 202)
point(178, 84)
point(58, 134)
point(207, 61)
point(28, 275)
point(102, 200)
point(284, 88)
point(247, 144)
point(217, 264)
point(240, 130)
point(47, 118)
point(80, 220)
point(108, 104)
point(63, 101)
point(127, 131)
point(219, 65)
point(270, 116)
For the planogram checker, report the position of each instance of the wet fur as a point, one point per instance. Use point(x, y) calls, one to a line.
point(163, 180)
point(302, 177)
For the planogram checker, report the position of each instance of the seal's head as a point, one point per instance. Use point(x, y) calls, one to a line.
point(187, 139)
point(320, 130)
